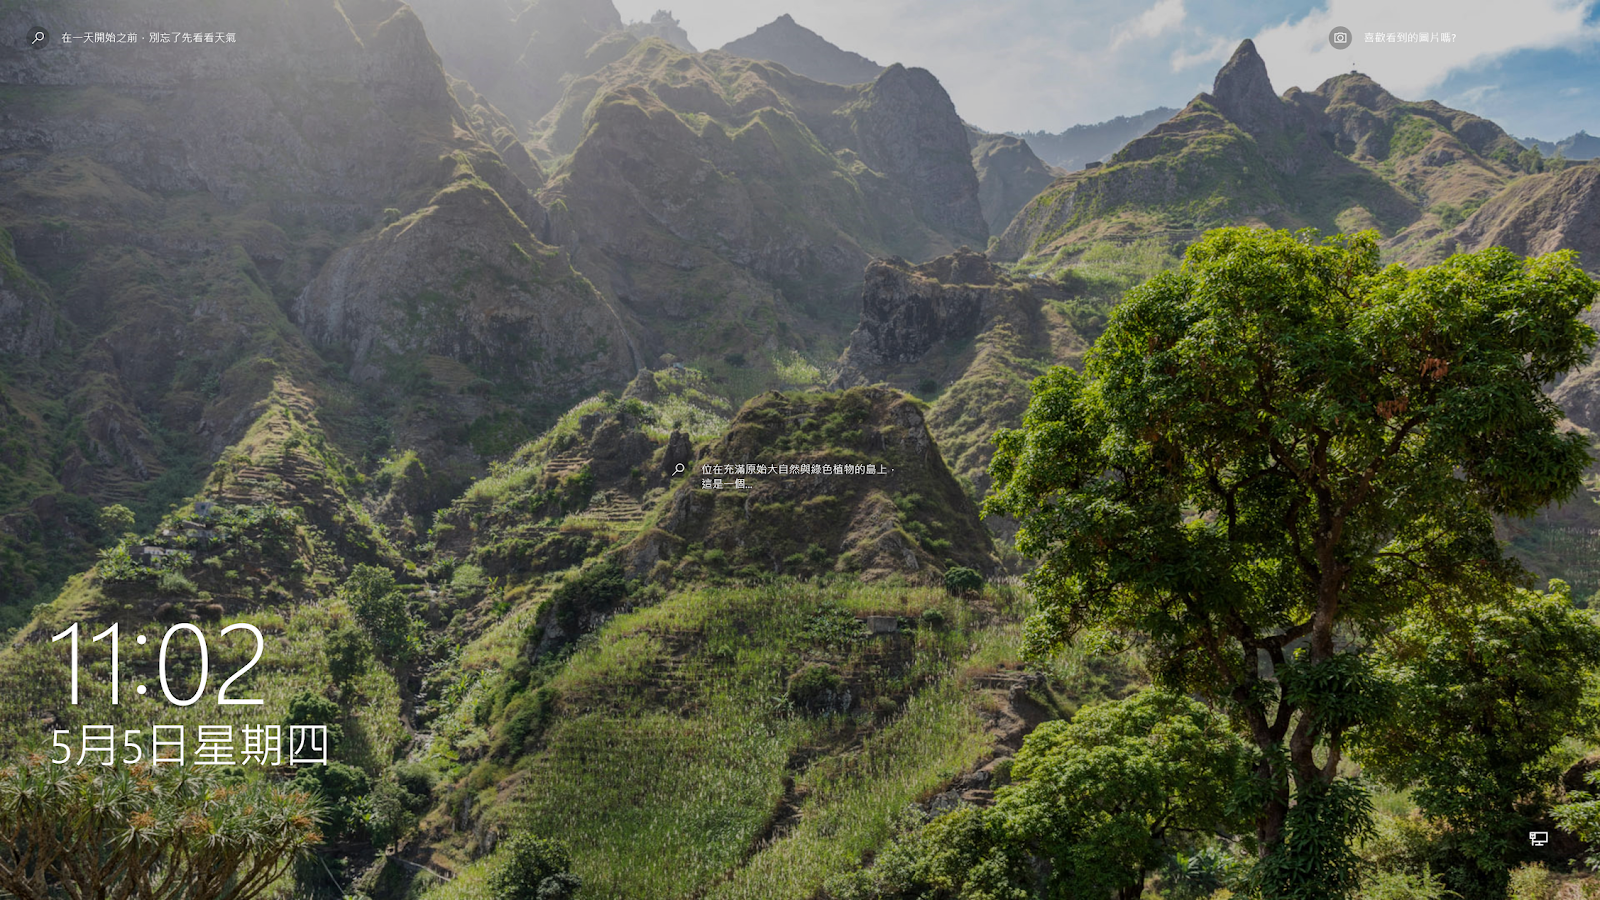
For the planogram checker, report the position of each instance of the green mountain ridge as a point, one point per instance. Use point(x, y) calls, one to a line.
point(1345, 156)
point(706, 187)
point(401, 367)
point(169, 234)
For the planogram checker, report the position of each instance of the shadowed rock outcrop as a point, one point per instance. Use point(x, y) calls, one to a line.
point(910, 516)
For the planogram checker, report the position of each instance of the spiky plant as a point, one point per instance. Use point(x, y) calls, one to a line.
point(124, 832)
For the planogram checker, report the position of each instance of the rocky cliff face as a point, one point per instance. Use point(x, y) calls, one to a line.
point(465, 278)
point(804, 52)
point(1541, 214)
point(174, 202)
point(976, 334)
point(906, 310)
point(714, 189)
point(906, 128)
point(662, 25)
point(1009, 176)
point(27, 317)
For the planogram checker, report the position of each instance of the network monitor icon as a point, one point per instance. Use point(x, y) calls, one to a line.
point(1538, 838)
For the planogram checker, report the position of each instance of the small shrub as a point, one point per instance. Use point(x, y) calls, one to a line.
point(927, 386)
point(310, 708)
point(962, 580)
point(380, 607)
point(116, 520)
point(932, 618)
point(1390, 884)
point(534, 869)
point(419, 781)
point(595, 590)
point(818, 690)
point(348, 651)
point(834, 626)
point(341, 788)
point(527, 716)
point(390, 816)
point(1533, 882)
point(176, 583)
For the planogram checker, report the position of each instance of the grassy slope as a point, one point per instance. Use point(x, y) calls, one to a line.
point(671, 753)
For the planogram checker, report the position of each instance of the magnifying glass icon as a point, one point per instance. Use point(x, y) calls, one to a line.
point(679, 470)
point(38, 37)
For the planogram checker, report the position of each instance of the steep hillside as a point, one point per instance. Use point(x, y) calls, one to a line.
point(962, 331)
point(805, 483)
point(173, 221)
point(1009, 176)
point(730, 205)
point(804, 52)
point(1083, 144)
point(1348, 155)
point(1540, 214)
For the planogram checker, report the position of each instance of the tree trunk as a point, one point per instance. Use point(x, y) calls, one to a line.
point(1269, 825)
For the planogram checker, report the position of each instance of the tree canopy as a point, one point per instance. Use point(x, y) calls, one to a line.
point(1109, 795)
point(1098, 803)
point(1275, 452)
point(1483, 694)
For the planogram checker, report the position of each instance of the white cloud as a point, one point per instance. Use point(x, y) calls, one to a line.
point(1165, 16)
point(1477, 95)
point(1571, 91)
point(1297, 51)
point(1048, 64)
point(1215, 54)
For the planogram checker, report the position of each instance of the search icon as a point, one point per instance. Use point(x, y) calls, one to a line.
point(38, 37)
point(679, 470)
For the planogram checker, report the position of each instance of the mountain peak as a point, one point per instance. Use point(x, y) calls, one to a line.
point(804, 52)
point(1243, 91)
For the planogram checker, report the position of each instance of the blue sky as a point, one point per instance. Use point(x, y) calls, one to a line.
point(1017, 65)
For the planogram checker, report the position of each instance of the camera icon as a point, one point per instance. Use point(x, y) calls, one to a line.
point(1538, 838)
point(1340, 38)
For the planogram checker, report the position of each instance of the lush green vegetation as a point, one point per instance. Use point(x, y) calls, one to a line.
point(1335, 472)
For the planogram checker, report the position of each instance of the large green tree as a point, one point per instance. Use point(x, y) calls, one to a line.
point(1483, 693)
point(1278, 451)
point(142, 833)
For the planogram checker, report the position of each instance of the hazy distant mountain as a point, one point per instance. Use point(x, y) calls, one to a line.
point(804, 52)
point(1081, 144)
point(517, 53)
point(1582, 145)
point(1010, 175)
point(663, 25)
